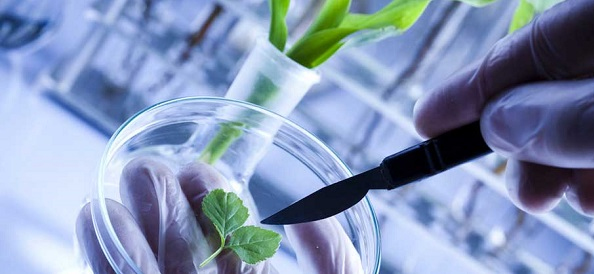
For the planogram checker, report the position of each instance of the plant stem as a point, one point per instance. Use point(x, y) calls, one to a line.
point(215, 254)
point(226, 136)
point(263, 91)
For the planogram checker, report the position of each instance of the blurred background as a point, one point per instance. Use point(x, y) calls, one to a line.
point(72, 71)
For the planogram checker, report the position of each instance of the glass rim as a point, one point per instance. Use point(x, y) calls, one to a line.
point(98, 197)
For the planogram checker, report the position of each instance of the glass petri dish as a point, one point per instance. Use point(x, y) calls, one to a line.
point(271, 165)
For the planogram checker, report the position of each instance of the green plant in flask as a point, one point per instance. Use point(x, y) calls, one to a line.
point(332, 29)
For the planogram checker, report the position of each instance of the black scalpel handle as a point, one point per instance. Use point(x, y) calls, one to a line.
point(435, 155)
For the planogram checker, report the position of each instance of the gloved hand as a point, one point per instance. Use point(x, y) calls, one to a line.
point(534, 94)
point(184, 236)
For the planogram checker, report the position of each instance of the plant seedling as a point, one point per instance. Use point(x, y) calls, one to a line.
point(252, 244)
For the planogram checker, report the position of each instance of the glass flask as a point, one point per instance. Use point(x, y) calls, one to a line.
point(269, 161)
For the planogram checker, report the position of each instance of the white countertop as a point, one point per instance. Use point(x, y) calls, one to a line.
point(48, 160)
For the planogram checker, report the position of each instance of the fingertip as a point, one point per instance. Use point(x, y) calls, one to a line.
point(140, 177)
point(84, 217)
point(420, 119)
point(201, 177)
point(127, 232)
point(535, 188)
point(203, 174)
point(580, 195)
point(143, 180)
point(143, 167)
point(89, 245)
point(197, 179)
point(428, 117)
point(85, 230)
point(451, 105)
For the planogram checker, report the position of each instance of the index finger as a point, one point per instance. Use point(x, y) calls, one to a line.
point(556, 45)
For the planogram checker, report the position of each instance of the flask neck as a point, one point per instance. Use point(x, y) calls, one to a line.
point(270, 79)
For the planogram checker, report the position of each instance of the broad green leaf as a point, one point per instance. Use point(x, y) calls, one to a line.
point(253, 244)
point(313, 49)
point(522, 16)
point(225, 210)
point(308, 50)
point(478, 3)
point(370, 36)
point(327, 54)
point(330, 16)
point(278, 26)
point(400, 14)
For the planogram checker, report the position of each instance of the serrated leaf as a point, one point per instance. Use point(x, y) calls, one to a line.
point(253, 244)
point(225, 210)
point(477, 3)
point(522, 16)
point(278, 26)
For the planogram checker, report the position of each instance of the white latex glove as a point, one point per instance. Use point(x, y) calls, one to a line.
point(188, 237)
point(532, 108)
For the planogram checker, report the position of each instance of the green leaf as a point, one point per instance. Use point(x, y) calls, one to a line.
point(326, 55)
point(308, 50)
point(371, 36)
point(522, 16)
point(330, 16)
point(278, 26)
point(400, 14)
point(313, 49)
point(477, 3)
point(253, 244)
point(225, 210)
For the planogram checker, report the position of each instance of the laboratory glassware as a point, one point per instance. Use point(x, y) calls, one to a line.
point(25, 25)
point(269, 160)
point(296, 163)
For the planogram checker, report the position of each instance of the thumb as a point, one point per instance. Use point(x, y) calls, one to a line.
point(549, 123)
